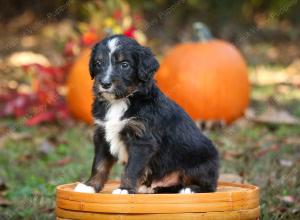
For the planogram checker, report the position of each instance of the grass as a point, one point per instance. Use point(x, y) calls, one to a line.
point(31, 172)
point(32, 175)
point(267, 170)
point(34, 160)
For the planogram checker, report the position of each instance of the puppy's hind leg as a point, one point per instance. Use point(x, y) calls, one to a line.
point(201, 179)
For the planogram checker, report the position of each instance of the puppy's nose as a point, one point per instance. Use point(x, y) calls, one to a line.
point(106, 84)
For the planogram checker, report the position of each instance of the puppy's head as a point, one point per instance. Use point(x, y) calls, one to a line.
point(121, 67)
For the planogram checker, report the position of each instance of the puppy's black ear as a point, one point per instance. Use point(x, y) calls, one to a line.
point(91, 66)
point(91, 63)
point(148, 64)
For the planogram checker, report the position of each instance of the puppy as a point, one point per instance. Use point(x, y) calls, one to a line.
point(136, 124)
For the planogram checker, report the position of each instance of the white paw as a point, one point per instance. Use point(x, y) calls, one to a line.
point(84, 188)
point(119, 191)
point(186, 191)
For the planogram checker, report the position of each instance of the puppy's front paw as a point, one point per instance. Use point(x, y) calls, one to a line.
point(120, 191)
point(95, 185)
point(84, 188)
point(186, 191)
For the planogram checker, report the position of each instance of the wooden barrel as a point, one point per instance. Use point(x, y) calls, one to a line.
point(232, 201)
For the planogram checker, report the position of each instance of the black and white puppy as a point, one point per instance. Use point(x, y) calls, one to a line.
point(136, 124)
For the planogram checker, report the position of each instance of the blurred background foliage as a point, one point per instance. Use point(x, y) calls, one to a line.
point(237, 21)
point(217, 14)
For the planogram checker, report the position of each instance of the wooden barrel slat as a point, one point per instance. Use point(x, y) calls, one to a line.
point(156, 208)
point(249, 214)
point(135, 199)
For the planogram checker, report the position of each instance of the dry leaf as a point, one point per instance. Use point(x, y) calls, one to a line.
point(64, 161)
point(273, 116)
point(231, 177)
point(287, 199)
point(292, 140)
point(27, 57)
point(229, 155)
point(4, 202)
point(264, 151)
point(46, 147)
point(286, 163)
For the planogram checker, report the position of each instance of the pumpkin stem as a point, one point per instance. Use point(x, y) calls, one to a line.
point(201, 32)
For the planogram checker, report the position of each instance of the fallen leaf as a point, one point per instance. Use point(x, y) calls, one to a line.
point(4, 202)
point(287, 199)
point(210, 125)
point(231, 177)
point(19, 59)
point(263, 75)
point(264, 151)
point(273, 116)
point(47, 210)
point(89, 38)
point(18, 136)
point(46, 147)
point(25, 158)
point(294, 67)
point(64, 161)
point(229, 155)
point(286, 163)
point(41, 117)
point(292, 140)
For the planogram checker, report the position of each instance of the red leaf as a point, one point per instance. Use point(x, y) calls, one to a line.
point(17, 104)
point(64, 161)
point(89, 38)
point(63, 113)
point(130, 32)
point(56, 73)
point(45, 102)
point(117, 14)
point(39, 118)
point(70, 48)
point(137, 17)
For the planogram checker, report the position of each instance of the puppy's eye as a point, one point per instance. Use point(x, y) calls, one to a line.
point(124, 65)
point(99, 63)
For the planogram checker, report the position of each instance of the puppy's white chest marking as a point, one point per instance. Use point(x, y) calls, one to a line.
point(113, 126)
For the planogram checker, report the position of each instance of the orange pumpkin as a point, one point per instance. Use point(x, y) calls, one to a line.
point(208, 79)
point(79, 84)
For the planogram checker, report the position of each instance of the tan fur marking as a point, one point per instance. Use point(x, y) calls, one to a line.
point(101, 176)
point(137, 127)
point(171, 179)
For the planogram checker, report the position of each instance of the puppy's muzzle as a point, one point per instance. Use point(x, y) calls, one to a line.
point(106, 84)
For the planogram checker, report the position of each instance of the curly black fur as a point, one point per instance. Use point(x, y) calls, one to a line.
point(159, 136)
